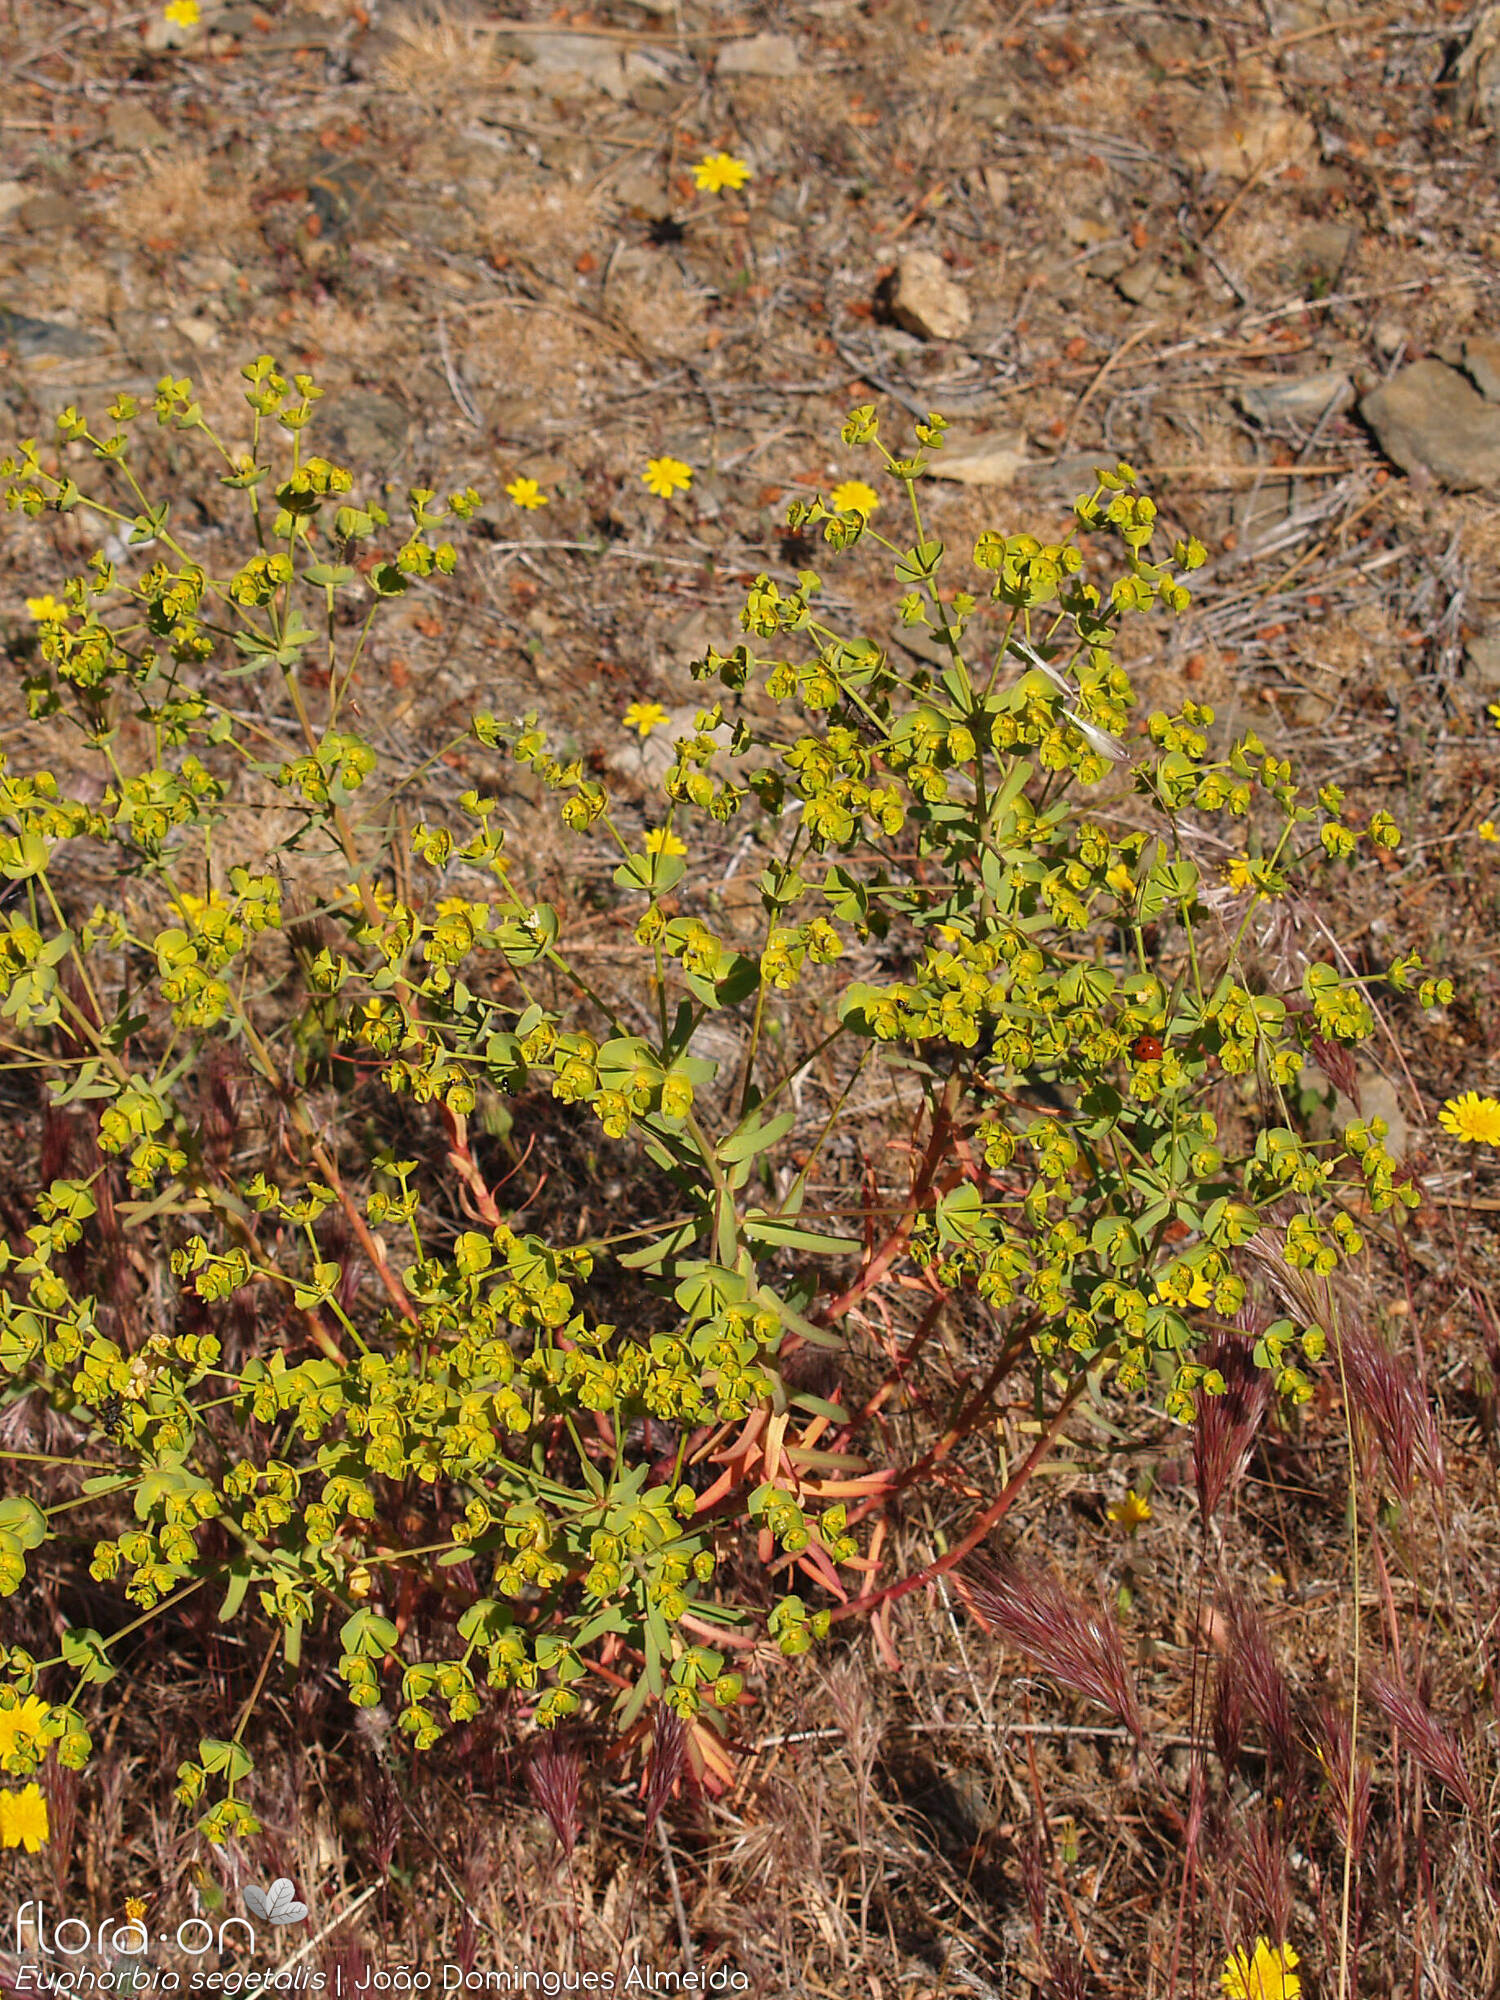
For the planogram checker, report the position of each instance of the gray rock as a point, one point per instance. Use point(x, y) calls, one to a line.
point(1377, 1099)
point(27, 338)
point(1139, 279)
point(1321, 254)
point(1109, 263)
point(760, 55)
point(1482, 662)
point(689, 638)
point(576, 66)
point(569, 66)
point(649, 761)
point(1482, 362)
point(637, 185)
point(1261, 508)
point(926, 300)
point(1432, 419)
point(1063, 479)
point(1476, 74)
point(368, 432)
point(13, 195)
point(992, 460)
point(46, 214)
point(297, 30)
point(1298, 398)
point(135, 128)
point(996, 186)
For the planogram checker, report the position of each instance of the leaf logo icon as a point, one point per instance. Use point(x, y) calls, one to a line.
point(276, 1905)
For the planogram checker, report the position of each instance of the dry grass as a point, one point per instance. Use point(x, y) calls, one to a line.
point(958, 1821)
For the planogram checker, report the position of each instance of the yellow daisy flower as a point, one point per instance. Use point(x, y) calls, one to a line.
point(46, 610)
point(1264, 1974)
point(1472, 1117)
point(721, 170)
point(661, 840)
point(1237, 869)
point(854, 497)
point(1121, 881)
point(19, 1726)
point(1130, 1513)
point(666, 476)
point(644, 716)
point(182, 13)
point(23, 1819)
point(1488, 830)
point(526, 493)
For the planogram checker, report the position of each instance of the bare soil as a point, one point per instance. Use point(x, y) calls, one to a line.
point(488, 247)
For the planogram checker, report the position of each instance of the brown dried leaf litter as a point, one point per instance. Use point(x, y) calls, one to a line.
point(1150, 223)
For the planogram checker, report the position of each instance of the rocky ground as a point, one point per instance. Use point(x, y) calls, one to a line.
point(1255, 252)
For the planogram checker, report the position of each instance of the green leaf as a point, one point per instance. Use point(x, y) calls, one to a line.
point(960, 1215)
point(776, 1231)
point(24, 1522)
point(1115, 1240)
point(369, 1636)
point(707, 1287)
point(794, 1322)
point(106, 1482)
point(83, 1649)
point(819, 1406)
point(88, 1082)
point(752, 1138)
point(234, 1597)
point(655, 1253)
point(919, 563)
point(233, 1758)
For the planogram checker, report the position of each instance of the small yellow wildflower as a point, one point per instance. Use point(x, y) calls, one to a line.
point(1130, 1513)
point(644, 716)
point(1264, 1974)
point(1121, 881)
point(526, 493)
point(46, 610)
point(1185, 1287)
point(135, 1908)
point(19, 1726)
point(665, 476)
point(854, 497)
point(1472, 1117)
point(661, 840)
point(23, 1819)
point(1237, 870)
point(181, 13)
point(1488, 830)
point(719, 171)
point(1493, 712)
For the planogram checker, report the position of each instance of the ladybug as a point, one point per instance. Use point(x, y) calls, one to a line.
point(1146, 1048)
